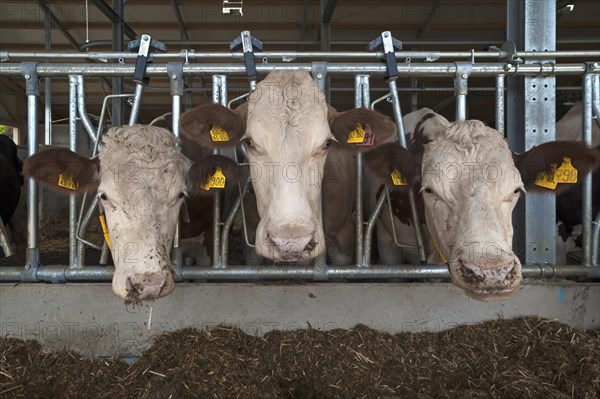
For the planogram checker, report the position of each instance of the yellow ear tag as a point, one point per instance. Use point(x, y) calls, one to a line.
point(357, 136)
point(566, 173)
point(218, 134)
point(546, 179)
point(104, 229)
point(398, 179)
point(67, 182)
point(215, 181)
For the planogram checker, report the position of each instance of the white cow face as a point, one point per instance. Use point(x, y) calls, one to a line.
point(141, 191)
point(288, 129)
point(288, 137)
point(470, 186)
point(141, 180)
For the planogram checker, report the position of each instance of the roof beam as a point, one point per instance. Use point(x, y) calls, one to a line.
point(425, 28)
point(61, 28)
point(114, 17)
point(182, 30)
point(328, 10)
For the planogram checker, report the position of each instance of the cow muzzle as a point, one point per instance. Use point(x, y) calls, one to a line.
point(486, 282)
point(148, 286)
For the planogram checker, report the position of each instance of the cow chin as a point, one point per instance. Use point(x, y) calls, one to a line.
point(145, 286)
point(487, 282)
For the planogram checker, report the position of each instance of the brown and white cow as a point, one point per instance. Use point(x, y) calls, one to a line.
point(290, 132)
point(470, 182)
point(141, 179)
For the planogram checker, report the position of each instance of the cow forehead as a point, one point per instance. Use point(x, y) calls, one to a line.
point(287, 107)
point(142, 161)
point(469, 156)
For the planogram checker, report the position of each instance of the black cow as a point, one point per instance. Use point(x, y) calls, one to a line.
point(11, 179)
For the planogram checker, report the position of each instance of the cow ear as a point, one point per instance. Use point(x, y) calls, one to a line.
point(539, 160)
point(393, 163)
point(165, 121)
point(63, 170)
point(211, 174)
point(345, 125)
point(213, 125)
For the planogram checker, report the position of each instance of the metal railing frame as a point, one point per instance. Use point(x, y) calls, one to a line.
point(75, 271)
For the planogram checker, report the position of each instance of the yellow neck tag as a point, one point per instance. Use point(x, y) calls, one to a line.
point(215, 181)
point(398, 179)
point(218, 134)
point(104, 229)
point(67, 182)
point(357, 136)
point(546, 179)
point(566, 173)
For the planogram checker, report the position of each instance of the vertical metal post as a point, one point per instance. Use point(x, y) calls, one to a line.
point(414, 96)
point(48, 84)
point(531, 25)
point(325, 35)
point(117, 46)
point(500, 103)
point(219, 97)
point(175, 72)
point(73, 263)
point(361, 100)
point(463, 71)
point(137, 102)
point(586, 211)
point(32, 255)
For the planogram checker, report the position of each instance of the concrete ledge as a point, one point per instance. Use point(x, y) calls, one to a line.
point(89, 319)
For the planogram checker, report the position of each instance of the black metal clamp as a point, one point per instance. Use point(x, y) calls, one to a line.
point(248, 44)
point(390, 45)
point(144, 45)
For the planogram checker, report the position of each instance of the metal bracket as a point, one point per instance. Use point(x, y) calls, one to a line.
point(175, 72)
point(248, 44)
point(508, 52)
point(145, 45)
point(319, 73)
point(32, 82)
point(461, 77)
point(389, 46)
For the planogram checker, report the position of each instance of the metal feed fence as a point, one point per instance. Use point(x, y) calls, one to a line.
point(499, 64)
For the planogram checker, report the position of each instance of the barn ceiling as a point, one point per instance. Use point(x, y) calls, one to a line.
point(282, 25)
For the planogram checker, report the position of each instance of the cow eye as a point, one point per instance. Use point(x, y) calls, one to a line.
point(328, 143)
point(248, 142)
point(103, 197)
point(182, 194)
point(517, 190)
point(428, 190)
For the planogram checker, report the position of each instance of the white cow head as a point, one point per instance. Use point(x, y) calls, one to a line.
point(141, 179)
point(470, 184)
point(288, 130)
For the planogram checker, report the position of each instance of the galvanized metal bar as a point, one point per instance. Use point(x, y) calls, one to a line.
point(586, 211)
point(73, 103)
point(500, 103)
point(411, 195)
point(117, 115)
point(260, 273)
point(362, 99)
point(318, 55)
point(370, 225)
point(596, 241)
point(47, 84)
point(82, 110)
point(463, 71)
point(137, 102)
point(175, 72)
point(32, 254)
point(596, 98)
point(425, 69)
point(8, 247)
point(219, 97)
